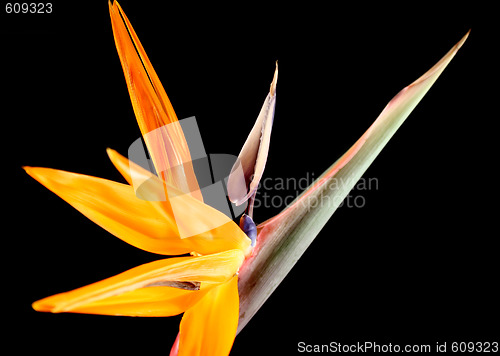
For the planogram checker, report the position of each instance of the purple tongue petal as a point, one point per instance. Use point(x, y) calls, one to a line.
point(249, 228)
point(248, 169)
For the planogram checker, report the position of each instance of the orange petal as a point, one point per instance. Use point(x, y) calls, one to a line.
point(209, 327)
point(147, 185)
point(150, 301)
point(139, 291)
point(156, 117)
point(144, 224)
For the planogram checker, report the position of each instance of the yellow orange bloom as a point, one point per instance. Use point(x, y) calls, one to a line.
point(166, 213)
point(205, 285)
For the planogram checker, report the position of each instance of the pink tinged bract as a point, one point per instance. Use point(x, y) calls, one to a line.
point(248, 169)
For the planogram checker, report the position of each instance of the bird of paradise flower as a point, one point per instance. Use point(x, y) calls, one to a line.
point(220, 285)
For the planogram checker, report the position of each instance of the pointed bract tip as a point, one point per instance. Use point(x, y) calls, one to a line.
point(462, 41)
point(275, 81)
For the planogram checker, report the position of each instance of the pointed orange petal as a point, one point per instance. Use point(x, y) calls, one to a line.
point(114, 207)
point(147, 185)
point(139, 291)
point(156, 117)
point(145, 224)
point(209, 327)
point(150, 301)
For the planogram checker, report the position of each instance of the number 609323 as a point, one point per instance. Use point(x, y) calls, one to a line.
point(28, 8)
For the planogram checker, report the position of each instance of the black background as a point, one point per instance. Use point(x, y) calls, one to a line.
point(417, 264)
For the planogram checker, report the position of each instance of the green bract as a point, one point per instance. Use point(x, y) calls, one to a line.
point(284, 238)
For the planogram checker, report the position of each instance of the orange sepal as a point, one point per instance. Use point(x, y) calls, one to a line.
point(141, 223)
point(209, 327)
point(141, 291)
point(166, 144)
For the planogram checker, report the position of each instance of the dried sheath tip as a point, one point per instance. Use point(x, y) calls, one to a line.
point(275, 80)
